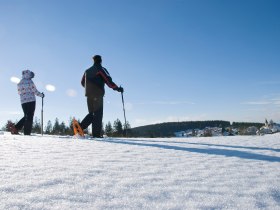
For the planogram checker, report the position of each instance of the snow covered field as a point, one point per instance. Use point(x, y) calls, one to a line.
point(240, 172)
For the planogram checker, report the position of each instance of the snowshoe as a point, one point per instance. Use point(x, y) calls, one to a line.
point(78, 131)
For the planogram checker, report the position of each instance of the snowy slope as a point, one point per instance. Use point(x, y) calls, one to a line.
point(240, 172)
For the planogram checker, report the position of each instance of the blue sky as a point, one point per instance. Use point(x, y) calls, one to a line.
point(177, 60)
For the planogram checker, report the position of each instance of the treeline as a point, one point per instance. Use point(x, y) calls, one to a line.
point(117, 129)
point(242, 125)
point(168, 129)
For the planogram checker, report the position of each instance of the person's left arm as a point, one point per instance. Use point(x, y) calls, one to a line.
point(34, 90)
point(107, 78)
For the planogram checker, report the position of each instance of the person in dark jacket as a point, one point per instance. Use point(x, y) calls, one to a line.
point(94, 80)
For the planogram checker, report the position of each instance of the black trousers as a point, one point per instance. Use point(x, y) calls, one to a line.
point(95, 115)
point(27, 121)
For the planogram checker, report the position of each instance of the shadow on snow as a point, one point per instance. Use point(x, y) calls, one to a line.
point(215, 145)
point(209, 151)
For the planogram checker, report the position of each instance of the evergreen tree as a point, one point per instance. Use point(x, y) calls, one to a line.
point(7, 126)
point(62, 128)
point(127, 129)
point(118, 128)
point(127, 126)
point(56, 127)
point(108, 129)
point(36, 126)
point(71, 123)
point(69, 130)
point(48, 129)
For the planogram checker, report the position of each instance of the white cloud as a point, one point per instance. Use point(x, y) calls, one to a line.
point(15, 80)
point(50, 88)
point(277, 103)
point(7, 113)
point(257, 102)
point(71, 93)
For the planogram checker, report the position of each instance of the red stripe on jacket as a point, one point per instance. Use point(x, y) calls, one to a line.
point(107, 80)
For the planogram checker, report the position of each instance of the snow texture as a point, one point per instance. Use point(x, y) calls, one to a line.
point(239, 172)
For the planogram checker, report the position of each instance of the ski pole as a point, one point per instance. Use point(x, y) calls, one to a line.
point(124, 116)
point(42, 116)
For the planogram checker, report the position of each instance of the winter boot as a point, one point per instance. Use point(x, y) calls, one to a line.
point(12, 128)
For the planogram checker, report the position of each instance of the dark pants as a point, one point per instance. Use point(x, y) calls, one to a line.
point(94, 116)
point(27, 121)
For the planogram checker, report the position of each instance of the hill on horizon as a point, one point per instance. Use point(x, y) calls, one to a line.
point(168, 129)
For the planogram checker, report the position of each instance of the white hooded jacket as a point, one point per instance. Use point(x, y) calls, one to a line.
point(27, 89)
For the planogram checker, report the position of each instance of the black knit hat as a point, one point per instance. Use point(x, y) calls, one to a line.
point(97, 59)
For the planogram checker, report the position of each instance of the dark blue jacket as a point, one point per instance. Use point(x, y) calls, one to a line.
point(94, 80)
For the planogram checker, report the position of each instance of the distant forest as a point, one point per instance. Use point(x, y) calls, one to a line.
point(117, 129)
point(168, 129)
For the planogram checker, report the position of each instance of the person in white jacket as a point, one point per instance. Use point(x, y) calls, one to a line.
point(27, 91)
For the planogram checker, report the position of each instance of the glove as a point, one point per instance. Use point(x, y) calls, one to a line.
point(120, 89)
point(43, 95)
